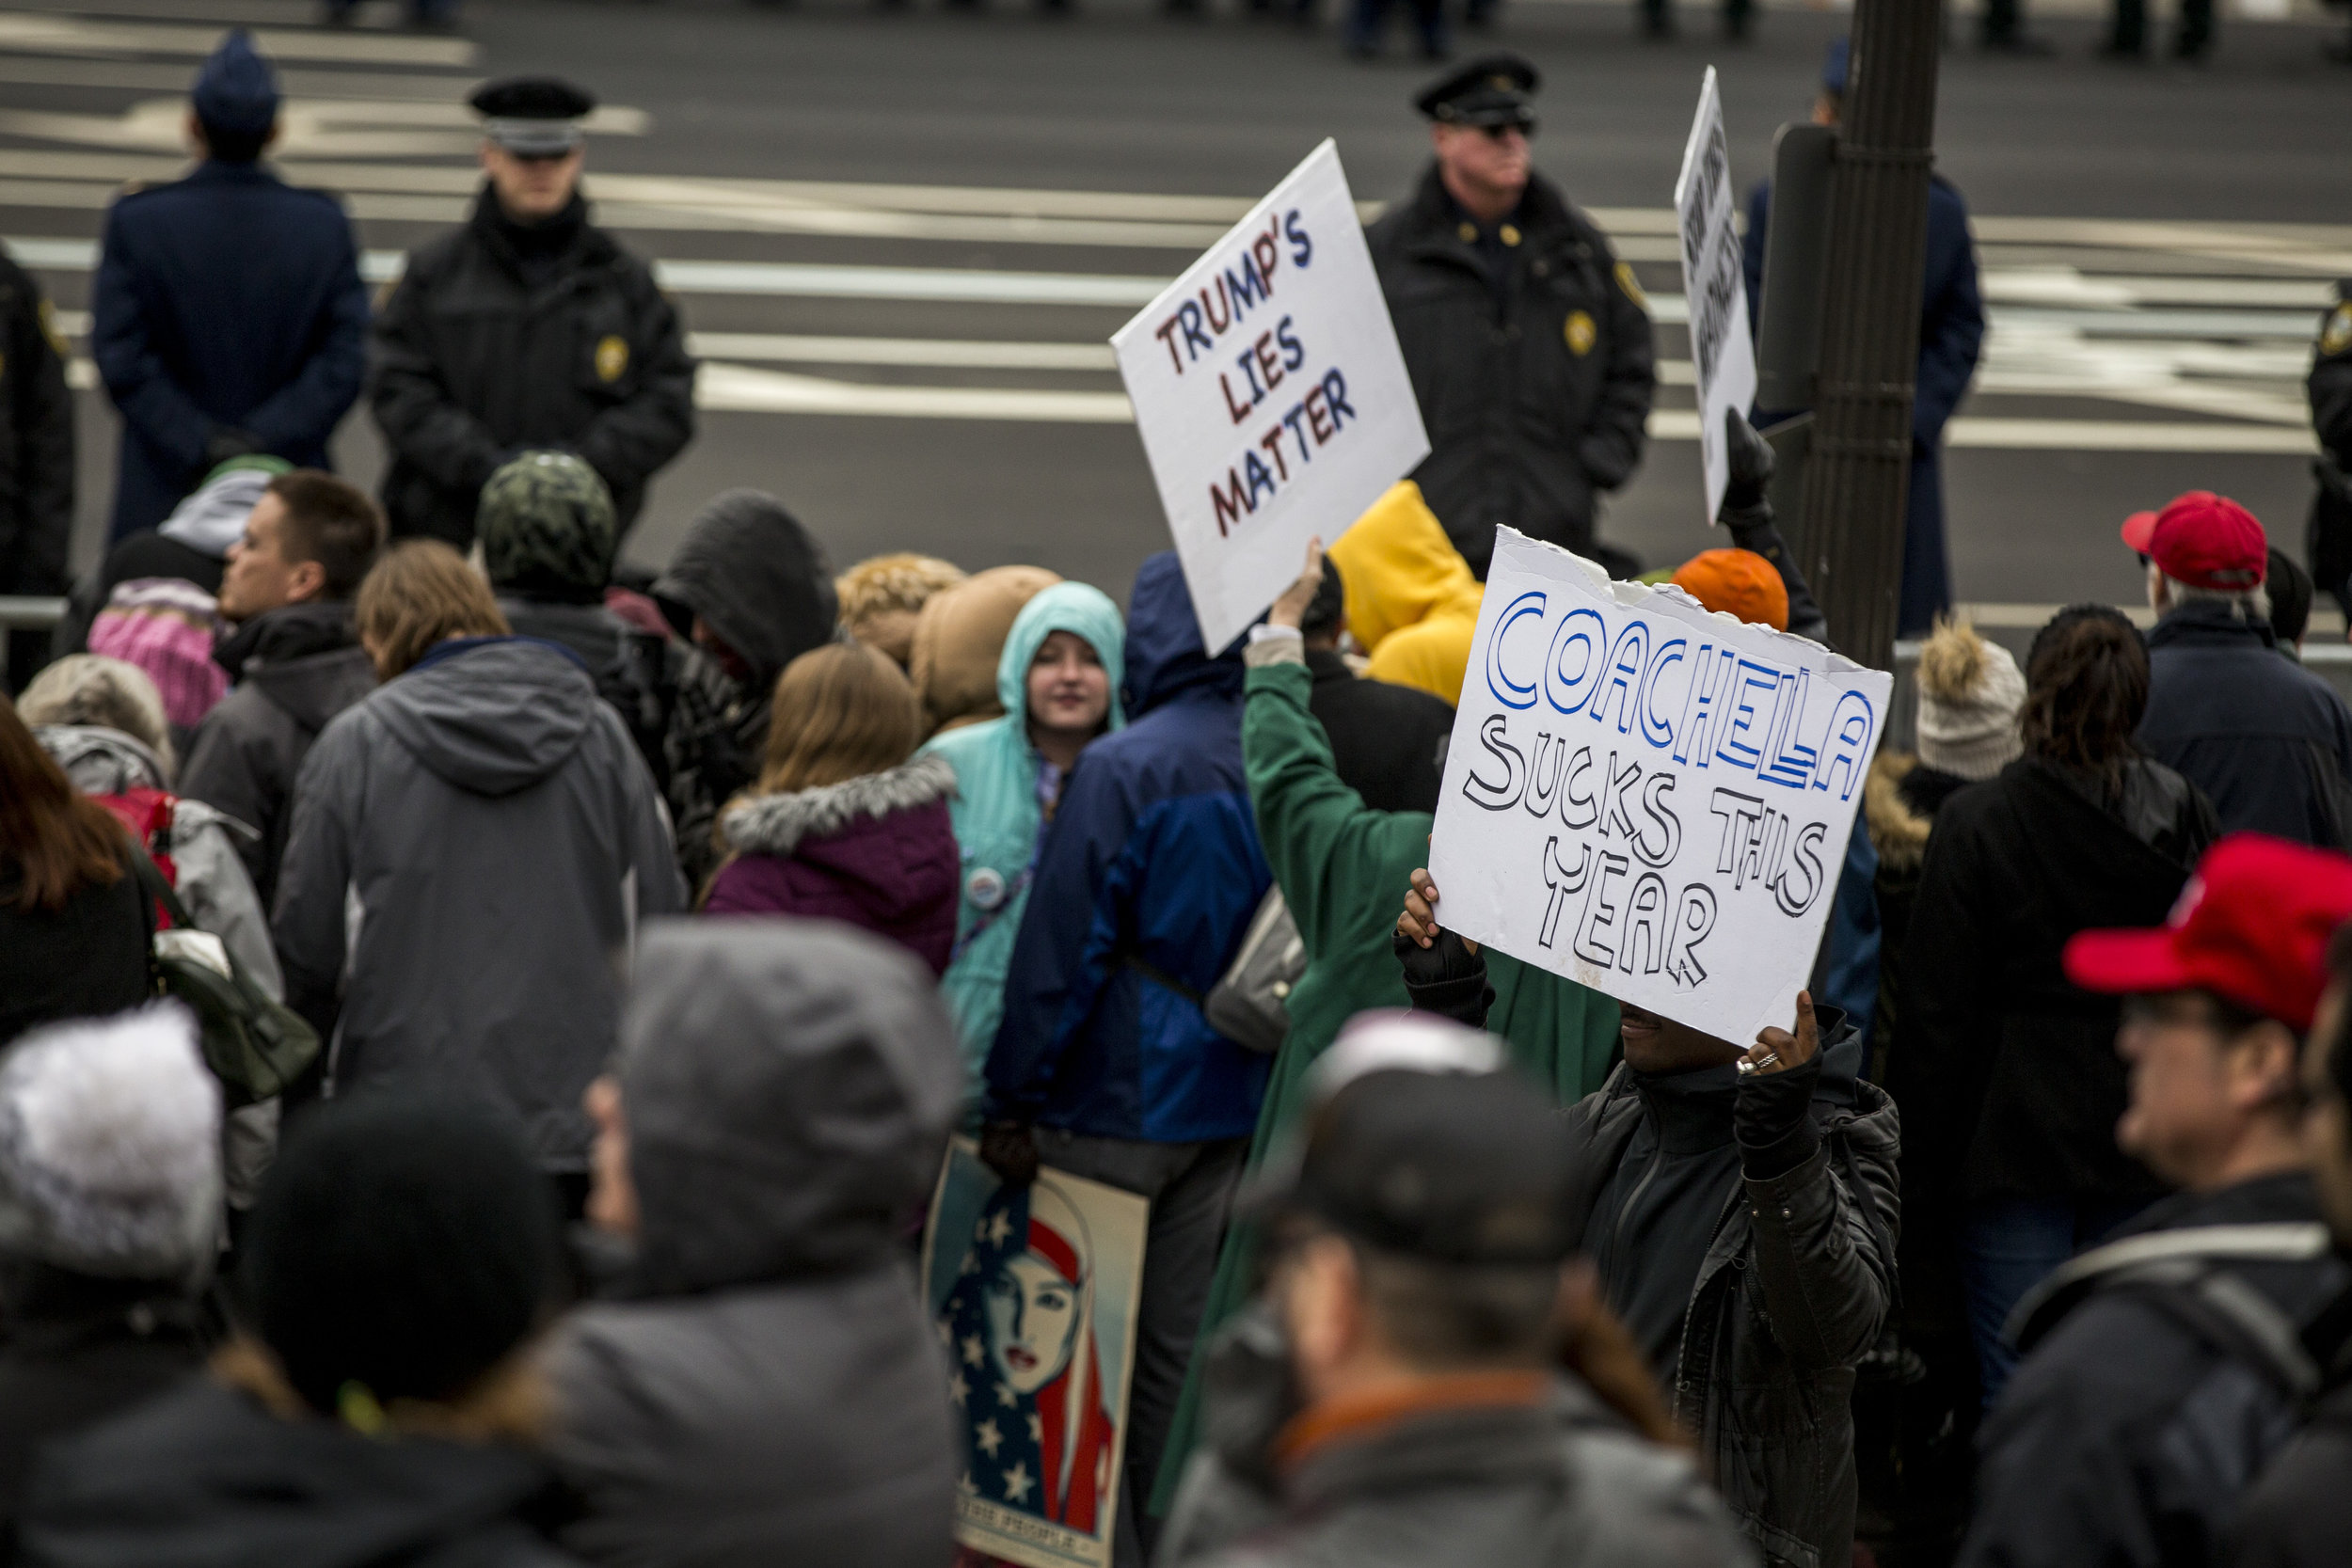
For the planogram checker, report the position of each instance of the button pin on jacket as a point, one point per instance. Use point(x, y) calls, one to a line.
point(985, 888)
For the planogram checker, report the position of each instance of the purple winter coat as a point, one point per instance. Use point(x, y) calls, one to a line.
point(877, 852)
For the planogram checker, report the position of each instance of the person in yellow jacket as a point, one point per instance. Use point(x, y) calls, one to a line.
point(1411, 601)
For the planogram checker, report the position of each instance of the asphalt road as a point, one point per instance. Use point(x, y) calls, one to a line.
point(2157, 242)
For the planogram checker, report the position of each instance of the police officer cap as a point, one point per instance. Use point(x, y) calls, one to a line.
point(236, 91)
point(1492, 90)
point(533, 117)
point(1421, 1140)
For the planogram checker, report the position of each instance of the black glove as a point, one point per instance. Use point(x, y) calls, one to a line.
point(1445, 977)
point(1772, 1117)
point(1009, 1150)
point(227, 441)
point(1747, 513)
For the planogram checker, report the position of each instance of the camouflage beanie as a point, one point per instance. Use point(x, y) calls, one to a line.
point(546, 525)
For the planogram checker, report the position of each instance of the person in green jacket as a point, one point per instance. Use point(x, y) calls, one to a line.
point(1059, 680)
point(1344, 869)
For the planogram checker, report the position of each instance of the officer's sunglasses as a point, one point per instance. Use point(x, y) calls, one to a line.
point(1524, 127)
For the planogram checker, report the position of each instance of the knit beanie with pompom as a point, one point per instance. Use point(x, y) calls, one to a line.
point(1970, 691)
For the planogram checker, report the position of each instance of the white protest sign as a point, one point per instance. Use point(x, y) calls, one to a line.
point(1272, 399)
point(1712, 282)
point(1646, 797)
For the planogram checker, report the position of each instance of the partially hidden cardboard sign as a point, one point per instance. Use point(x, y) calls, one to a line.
point(1034, 1290)
point(1721, 352)
point(1271, 396)
point(1646, 797)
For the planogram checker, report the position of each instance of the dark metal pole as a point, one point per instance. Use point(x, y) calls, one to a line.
point(1857, 480)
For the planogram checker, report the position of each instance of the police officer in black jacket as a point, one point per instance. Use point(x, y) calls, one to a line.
point(2331, 387)
point(528, 327)
point(36, 459)
point(1528, 340)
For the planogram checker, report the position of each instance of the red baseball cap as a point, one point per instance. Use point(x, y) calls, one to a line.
point(2203, 540)
point(2251, 925)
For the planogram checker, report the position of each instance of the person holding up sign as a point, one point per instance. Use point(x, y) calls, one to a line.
point(1527, 339)
point(1740, 1204)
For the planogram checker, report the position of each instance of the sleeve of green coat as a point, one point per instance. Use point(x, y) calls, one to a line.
point(1327, 848)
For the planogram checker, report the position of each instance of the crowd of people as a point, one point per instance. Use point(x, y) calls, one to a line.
point(479, 1038)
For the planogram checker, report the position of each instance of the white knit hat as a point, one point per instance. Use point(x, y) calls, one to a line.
point(110, 1146)
point(1970, 692)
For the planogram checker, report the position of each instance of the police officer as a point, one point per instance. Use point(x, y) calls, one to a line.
point(36, 460)
point(1528, 340)
point(528, 328)
point(1951, 335)
point(2330, 387)
point(228, 316)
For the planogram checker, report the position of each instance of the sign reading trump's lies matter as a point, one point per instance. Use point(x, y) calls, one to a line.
point(1270, 394)
point(1646, 797)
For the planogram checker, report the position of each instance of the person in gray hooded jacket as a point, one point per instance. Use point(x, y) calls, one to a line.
point(768, 1390)
point(473, 845)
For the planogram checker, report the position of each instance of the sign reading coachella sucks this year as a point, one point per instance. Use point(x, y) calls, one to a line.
point(1646, 797)
point(1270, 394)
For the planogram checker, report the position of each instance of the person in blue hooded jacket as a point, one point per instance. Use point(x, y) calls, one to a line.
point(1103, 1066)
point(1951, 336)
point(227, 316)
point(1058, 681)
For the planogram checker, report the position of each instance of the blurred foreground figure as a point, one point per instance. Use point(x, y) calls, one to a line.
point(526, 327)
point(1528, 340)
point(1395, 1397)
point(376, 1411)
point(227, 316)
point(766, 1388)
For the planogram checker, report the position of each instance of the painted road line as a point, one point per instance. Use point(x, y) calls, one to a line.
point(928, 353)
point(30, 33)
point(741, 390)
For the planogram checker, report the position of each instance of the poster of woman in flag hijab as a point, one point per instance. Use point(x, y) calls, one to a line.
point(1034, 1292)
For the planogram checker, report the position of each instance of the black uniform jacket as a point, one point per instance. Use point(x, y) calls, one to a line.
point(36, 441)
point(1534, 375)
point(478, 355)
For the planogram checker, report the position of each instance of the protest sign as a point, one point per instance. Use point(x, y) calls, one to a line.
point(1270, 394)
point(1034, 1290)
point(1646, 797)
point(1721, 350)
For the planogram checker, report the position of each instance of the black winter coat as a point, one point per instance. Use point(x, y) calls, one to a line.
point(205, 1476)
point(2127, 1435)
point(2298, 1511)
point(2270, 742)
point(474, 361)
point(36, 441)
point(1388, 742)
point(86, 959)
point(295, 668)
point(1794, 1287)
point(2008, 1071)
point(1534, 379)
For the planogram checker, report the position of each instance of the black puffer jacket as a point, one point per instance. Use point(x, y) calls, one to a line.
point(1794, 1286)
point(205, 1476)
point(295, 668)
point(479, 354)
point(2010, 1071)
point(1534, 379)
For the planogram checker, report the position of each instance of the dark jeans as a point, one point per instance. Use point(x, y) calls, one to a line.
point(1657, 16)
point(1370, 20)
point(1191, 1190)
point(2130, 34)
point(2009, 1246)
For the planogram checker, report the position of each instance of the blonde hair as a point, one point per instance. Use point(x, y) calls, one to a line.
point(421, 593)
point(841, 711)
point(104, 694)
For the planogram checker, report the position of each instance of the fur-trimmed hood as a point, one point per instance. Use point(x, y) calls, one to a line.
point(1899, 834)
point(776, 824)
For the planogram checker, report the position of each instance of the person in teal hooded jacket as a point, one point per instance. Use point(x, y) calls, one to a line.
point(1059, 680)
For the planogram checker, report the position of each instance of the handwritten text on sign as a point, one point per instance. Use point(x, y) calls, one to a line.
point(1713, 280)
point(1647, 799)
point(1273, 402)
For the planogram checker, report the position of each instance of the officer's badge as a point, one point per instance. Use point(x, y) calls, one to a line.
point(611, 357)
point(1631, 285)
point(1578, 332)
point(2336, 336)
point(49, 330)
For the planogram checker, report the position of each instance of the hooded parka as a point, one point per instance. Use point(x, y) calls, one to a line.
point(997, 816)
point(1411, 601)
point(472, 848)
point(769, 1390)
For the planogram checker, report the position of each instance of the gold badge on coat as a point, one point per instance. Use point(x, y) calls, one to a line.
point(2336, 336)
point(611, 357)
point(1578, 332)
point(1631, 285)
